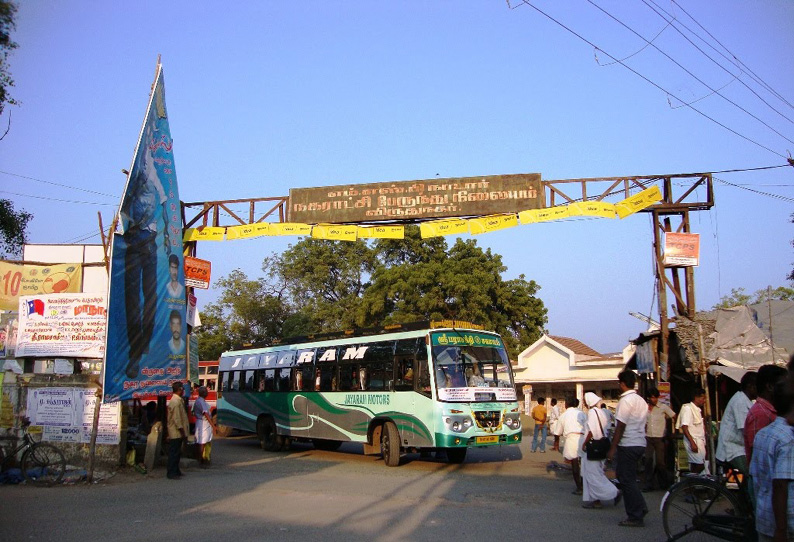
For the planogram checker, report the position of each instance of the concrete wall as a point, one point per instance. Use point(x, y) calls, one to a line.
point(16, 387)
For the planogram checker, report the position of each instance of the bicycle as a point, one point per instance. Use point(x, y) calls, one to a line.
point(705, 507)
point(42, 464)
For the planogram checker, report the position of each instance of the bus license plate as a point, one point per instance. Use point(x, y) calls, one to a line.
point(488, 440)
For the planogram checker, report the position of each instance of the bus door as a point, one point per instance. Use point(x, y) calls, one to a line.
point(412, 391)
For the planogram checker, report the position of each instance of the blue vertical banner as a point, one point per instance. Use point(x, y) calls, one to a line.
point(147, 331)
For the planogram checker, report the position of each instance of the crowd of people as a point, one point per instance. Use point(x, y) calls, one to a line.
point(755, 438)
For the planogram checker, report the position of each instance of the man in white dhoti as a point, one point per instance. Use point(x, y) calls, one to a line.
point(204, 426)
point(690, 421)
point(596, 486)
point(571, 425)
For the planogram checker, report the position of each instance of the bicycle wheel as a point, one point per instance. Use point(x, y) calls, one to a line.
point(43, 464)
point(701, 509)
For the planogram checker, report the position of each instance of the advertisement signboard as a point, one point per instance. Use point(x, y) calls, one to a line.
point(681, 249)
point(147, 328)
point(62, 325)
point(67, 415)
point(431, 198)
point(197, 272)
point(17, 280)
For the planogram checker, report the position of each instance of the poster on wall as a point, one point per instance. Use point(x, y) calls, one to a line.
point(147, 328)
point(28, 279)
point(62, 325)
point(9, 325)
point(67, 415)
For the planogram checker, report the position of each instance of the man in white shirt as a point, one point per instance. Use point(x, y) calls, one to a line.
point(690, 422)
point(629, 445)
point(730, 442)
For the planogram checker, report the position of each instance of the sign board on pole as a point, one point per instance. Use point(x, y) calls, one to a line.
point(681, 249)
point(197, 272)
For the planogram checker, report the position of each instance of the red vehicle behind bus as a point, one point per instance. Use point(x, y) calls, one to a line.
point(208, 376)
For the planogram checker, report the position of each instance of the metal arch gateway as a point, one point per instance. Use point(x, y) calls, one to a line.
point(680, 196)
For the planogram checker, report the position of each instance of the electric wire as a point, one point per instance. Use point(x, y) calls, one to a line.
point(635, 53)
point(56, 199)
point(695, 77)
point(739, 63)
point(734, 63)
point(57, 184)
point(649, 81)
point(760, 192)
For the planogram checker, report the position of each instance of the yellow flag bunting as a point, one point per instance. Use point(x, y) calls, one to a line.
point(434, 228)
point(637, 202)
point(492, 223)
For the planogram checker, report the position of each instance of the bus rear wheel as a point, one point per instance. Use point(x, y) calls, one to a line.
point(456, 455)
point(269, 439)
point(390, 444)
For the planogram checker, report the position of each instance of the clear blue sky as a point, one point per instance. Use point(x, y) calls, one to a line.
point(265, 96)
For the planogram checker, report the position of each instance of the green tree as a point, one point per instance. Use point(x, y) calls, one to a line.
point(247, 312)
point(736, 298)
point(463, 283)
point(317, 286)
point(8, 11)
point(325, 279)
point(739, 297)
point(13, 225)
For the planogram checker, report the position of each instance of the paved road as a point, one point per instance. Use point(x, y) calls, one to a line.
point(308, 494)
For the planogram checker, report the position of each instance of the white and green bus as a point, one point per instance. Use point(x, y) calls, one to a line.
point(441, 386)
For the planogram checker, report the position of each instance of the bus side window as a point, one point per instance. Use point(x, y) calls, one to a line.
point(327, 377)
point(225, 381)
point(235, 384)
point(283, 379)
point(404, 379)
point(249, 381)
point(348, 377)
point(307, 376)
point(422, 379)
point(379, 364)
point(270, 379)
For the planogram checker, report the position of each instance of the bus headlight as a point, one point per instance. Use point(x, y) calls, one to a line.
point(458, 424)
point(512, 423)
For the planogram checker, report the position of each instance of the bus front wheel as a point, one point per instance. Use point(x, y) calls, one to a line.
point(390, 444)
point(456, 455)
point(269, 439)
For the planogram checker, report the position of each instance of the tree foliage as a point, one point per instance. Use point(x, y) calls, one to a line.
point(13, 225)
point(317, 286)
point(8, 11)
point(325, 280)
point(247, 312)
point(738, 297)
point(427, 281)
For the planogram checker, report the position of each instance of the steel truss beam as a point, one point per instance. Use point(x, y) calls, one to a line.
point(680, 195)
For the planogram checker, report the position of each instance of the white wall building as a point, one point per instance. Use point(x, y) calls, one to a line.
point(556, 367)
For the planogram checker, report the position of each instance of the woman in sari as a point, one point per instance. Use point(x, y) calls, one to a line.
point(595, 484)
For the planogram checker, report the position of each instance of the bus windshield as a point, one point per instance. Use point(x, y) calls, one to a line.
point(467, 363)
